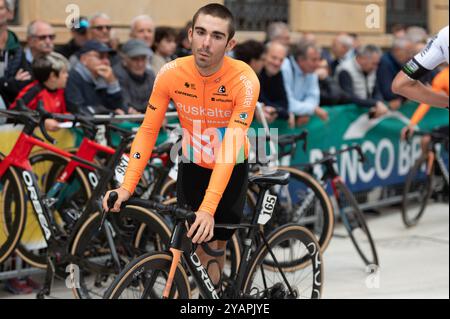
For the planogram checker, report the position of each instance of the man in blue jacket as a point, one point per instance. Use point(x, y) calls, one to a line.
point(92, 87)
point(391, 63)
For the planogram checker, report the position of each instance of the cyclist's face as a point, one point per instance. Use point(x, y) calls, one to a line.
point(209, 39)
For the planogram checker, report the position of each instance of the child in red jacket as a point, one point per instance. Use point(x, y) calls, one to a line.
point(51, 73)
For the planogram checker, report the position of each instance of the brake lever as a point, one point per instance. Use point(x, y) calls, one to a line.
point(113, 197)
point(44, 115)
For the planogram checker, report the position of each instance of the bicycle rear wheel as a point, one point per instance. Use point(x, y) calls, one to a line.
point(356, 225)
point(417, 191)
point(304, 202)
point(288, 244)
point(12, 212)
point(146, 277)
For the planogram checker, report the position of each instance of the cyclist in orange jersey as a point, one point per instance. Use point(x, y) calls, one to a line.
point(215, 97)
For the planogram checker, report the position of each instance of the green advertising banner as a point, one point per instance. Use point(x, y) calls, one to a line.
point(388, 158)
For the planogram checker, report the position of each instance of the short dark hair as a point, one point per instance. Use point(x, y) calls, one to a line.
point(368, 50)
point(219, 11)
point(249, 50)
point(43, 66)
point(300, 50)
point(162, 33)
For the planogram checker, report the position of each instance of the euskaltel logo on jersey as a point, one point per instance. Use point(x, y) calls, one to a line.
point(137, 156)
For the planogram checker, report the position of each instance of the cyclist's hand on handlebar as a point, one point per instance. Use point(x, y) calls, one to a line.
point(51, 125)
point(124, 195)
point(203, 228)
point(407, 133)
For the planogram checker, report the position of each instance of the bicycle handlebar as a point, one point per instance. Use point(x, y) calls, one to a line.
point(292, 140)
point(331, 156)
point(434, 135)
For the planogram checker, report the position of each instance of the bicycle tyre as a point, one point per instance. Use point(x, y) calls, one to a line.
point(12, 212)
point(409, 217)
point(359, 220)
point(311, 249)
point(150, 262)
point(137, 230)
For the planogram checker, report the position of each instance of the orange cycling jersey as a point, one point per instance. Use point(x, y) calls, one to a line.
point(440, 84)
point(215, 113)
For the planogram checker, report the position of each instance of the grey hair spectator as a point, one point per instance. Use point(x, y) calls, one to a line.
point(417, 35)
point(301, 49)
point(103, 21)
point(357, 77)
point(301, 82)
point(143, 28)
point(280, 32)
point(40, 39)
point(368, 50)
point(342, 49)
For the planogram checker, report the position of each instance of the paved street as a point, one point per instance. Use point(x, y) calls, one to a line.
point(414, 262)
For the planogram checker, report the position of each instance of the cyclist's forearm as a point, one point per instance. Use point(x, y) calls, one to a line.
point(420, 113)
point(416, 91)
point(141, 150)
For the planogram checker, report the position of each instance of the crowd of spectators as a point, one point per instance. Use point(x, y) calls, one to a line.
point(96, 74)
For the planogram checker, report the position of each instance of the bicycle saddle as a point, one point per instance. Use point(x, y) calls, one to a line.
point(276, 178)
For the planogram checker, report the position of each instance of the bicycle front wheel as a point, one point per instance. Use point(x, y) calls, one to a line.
point(417, 192)
point(285, 246)
point(146, 277)
point(305, 202)
point(357, 228)
point(134, 231)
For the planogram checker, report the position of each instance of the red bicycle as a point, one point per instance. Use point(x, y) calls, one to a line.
point(98, 255)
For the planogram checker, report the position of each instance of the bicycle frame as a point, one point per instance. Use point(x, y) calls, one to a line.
point(18, 158)
point(434, 156)
point(181, 251)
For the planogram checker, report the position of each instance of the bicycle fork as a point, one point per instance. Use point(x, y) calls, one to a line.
point(173, 268)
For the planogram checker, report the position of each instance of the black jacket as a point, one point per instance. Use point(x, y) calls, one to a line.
point(273, 93)
point(331, 93)
point(15, 60)
point(86, 96)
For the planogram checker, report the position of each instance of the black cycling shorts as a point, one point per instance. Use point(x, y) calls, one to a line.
point(192, 183)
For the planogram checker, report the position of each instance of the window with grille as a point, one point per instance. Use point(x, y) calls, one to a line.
point(407, 12)
point(256, 15)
